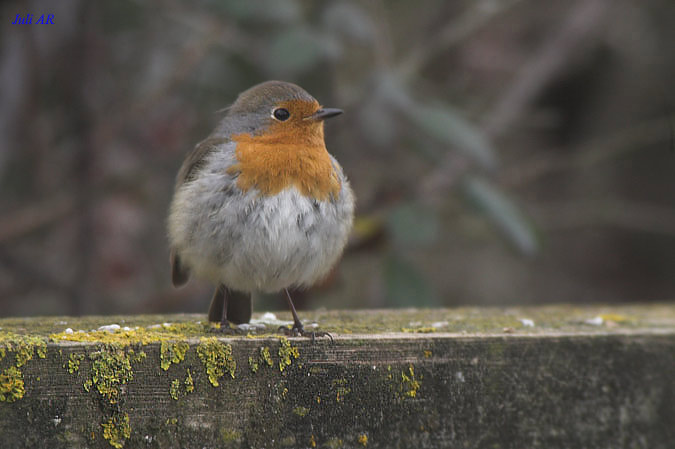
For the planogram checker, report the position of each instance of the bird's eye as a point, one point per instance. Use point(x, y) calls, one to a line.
point(281, 114)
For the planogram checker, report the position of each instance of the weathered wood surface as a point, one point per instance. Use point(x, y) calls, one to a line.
point(597, 377)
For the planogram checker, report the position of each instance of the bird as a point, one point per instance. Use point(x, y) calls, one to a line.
point(260, 205)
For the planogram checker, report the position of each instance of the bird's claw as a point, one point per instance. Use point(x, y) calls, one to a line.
point(296, 331)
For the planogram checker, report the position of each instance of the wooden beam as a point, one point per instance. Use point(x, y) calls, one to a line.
point(553, 377)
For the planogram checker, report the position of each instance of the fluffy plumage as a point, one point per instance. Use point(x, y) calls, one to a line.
point(261, 205)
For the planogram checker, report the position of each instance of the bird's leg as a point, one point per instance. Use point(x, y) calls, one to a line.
point(298, 328)
point(220, 300)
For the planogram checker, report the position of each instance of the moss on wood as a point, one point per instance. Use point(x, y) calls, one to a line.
point(568, 377)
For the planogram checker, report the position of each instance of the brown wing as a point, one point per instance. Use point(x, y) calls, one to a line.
point(196, 158)
point(180, 273)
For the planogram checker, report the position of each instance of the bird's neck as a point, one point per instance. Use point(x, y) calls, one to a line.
point(274, 162)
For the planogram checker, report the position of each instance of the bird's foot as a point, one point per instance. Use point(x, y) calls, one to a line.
point(299, 330)
point(225, 329)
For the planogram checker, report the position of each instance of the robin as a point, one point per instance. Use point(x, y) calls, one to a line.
point(260, 205)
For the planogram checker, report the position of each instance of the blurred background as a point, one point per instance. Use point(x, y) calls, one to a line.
point(502, 151)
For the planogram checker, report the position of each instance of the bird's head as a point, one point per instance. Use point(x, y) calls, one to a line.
point(278, 131)
point(277, 110)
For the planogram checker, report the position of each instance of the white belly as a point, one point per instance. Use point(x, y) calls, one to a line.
point(254, 243)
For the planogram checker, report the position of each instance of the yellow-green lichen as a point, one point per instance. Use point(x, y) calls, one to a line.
point(419, 330)
point(11, 385)
point(286, 353)
point(136, 336)
point(334, 443)
point(301, 411)
point(189, 383)
point(174, 389)
point(363, 440)
point(614, 317)
point(283, 392)
point(409, 383)
point(137, 357)
point(253, 364)
point(229, 435)
point(73, 363)
point(25, 347)
point(188, 386)
point(482, 320)
point(110, 369)
point(341, 389)
point(288, 441)
point(216, 358)
point(116, 429)
point(41, 348)
point(264, 357)
point(172, 353)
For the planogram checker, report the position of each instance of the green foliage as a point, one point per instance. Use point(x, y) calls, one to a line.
point(503, 213)
point(422, 87)
point(445, 124)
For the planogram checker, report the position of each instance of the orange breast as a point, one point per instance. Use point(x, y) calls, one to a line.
point(284, 157)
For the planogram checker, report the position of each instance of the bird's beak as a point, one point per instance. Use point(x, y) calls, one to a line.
point(324, 113)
